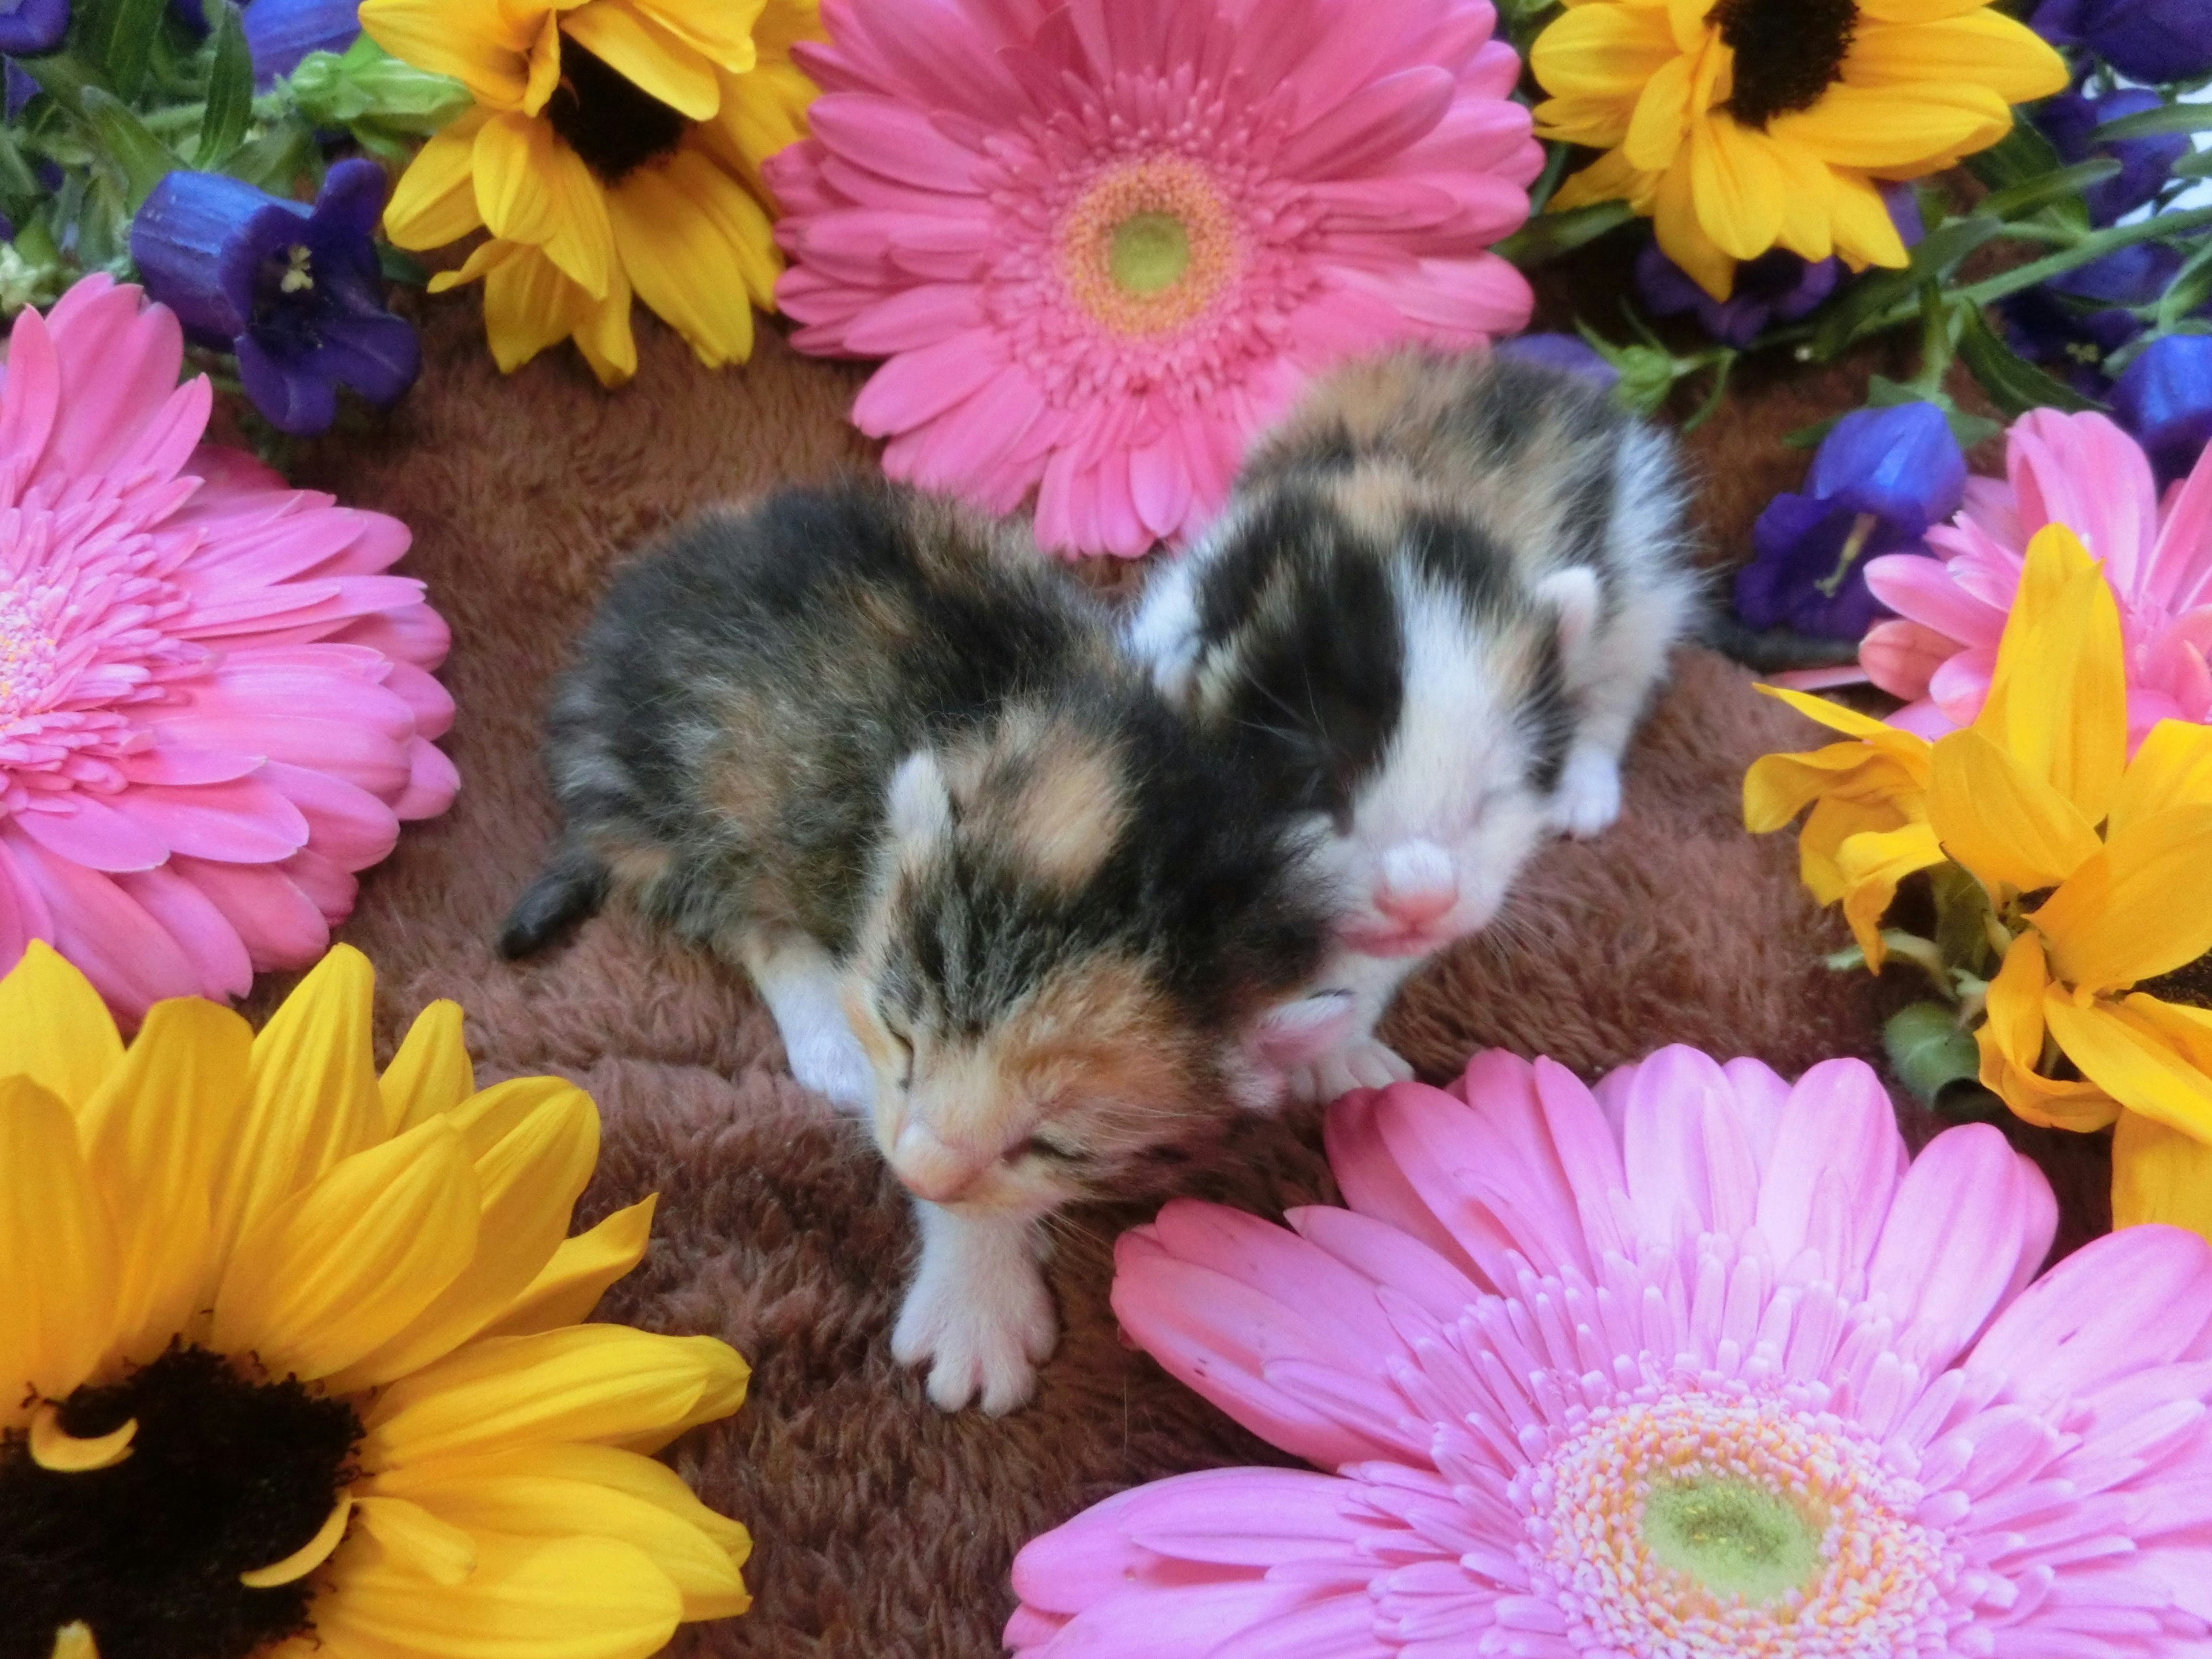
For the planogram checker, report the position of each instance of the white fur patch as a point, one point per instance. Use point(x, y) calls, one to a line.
point(978, 1311)
point(920, 804)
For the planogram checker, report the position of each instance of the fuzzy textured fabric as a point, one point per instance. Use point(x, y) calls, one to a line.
point(883, 1527)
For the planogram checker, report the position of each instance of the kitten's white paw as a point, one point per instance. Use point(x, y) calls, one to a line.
point(826, 1057)
point(983, 1335)
point(1589, 797)
point(1367, 1064)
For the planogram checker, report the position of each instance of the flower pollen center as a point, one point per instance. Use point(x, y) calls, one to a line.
point(1732, 1525)
point(298, 276)
point(1788, 53)
point(1733, 1537)
point(1148, 246)
point(27, 653)
point(225, 1475)
point(613, 124)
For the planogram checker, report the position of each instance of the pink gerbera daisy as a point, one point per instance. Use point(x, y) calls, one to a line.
point(2082, 471)
point(215, 706)
point(1696, 1366)
point(1102, 242)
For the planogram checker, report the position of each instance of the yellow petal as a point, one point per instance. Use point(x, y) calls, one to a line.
point(2011, 1044)
point(312, 1098)
point(1848, 721)
point(570, 1598)
point(1776, 787)
point(54, 1028)
point(434, 202)
point(2131, 1060)
point(2174, 768)
point(1660, 120)
point(555, 1492)
point(1834, 821)
point(1981, 47)
point(572, 1283)
point(152, 1136)
point(1736, 184)
point(1602, 52)
point(529, 1178)
point(1808, 204)
point(642, 51)
point(684, 226)
point(57, 1253)
point(2058, 694)
point(2160, 1175)
point(721, 31)
point(483, 258)
point(1864, 233)
point(410, 1534)
point(532, 188)
point(528, 304)
point(74, 1641)
point(305, 1559)
point(1597, 123)
point(2140, 907)
point(602, 333)
point(765, 112)
point(2001, 820)
point(1870, 866)
point(1893, 129)
point(605, 1384)
point(54, 1448)
point(1682, 238)
point(431, 1073)
point(1608, 177)
point(339, 1270)
point(477, 42)
point(545, 72)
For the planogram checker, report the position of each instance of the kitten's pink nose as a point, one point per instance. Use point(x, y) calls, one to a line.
point(929, 1169)
point(1417, 884)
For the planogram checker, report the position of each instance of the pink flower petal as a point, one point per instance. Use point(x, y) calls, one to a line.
point(1828, 1184)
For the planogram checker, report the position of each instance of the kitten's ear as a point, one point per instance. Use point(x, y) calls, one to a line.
point(920, 803)
point(1575, 594)
point(1298, 1033)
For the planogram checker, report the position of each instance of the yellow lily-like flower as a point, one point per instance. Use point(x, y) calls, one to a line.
point(1740, 124)
point(290, 1366)
point(614, 149)
point(2098, 864)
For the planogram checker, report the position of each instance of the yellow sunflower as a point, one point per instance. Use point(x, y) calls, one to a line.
point(1739, 125)
point(289, 1363)
point(614, 150)
point(2094, 865)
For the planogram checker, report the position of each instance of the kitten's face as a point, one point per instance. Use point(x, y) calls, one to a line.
point(1021, 1057)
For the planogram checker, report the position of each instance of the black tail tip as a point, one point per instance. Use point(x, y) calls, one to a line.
point(567, 894)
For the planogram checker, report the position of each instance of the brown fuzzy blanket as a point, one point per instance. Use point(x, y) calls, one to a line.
point(884, 1528)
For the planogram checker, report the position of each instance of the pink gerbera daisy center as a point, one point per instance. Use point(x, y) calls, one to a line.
point(1732, 1525)
point(1148, 246)
point(27, 652)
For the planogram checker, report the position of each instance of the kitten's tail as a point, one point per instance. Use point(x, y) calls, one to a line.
point(568, 891)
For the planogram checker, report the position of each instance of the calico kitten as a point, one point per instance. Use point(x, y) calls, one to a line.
point(1435, 608)
point(991, 886)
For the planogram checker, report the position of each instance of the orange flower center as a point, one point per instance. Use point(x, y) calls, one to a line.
point(1147, 246)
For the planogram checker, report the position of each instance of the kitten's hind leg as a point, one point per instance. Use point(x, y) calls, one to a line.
point(977, 1309)
point(798, 980)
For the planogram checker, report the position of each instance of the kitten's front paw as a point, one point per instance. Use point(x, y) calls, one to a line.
point(1367, 1064)
point(826, 1058)
point(1589, 797)
point(985, 1335)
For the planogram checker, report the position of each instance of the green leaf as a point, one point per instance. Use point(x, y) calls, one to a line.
point(2018, 201)
point(1927, 1051)
point(1963, 918)
point(1545, 238)
point(368, 84)
point(275, 159)
point(2190, 287)
point(229, 93)
point(141, 161)
point(2014, 385)
point(2022, 155)
point(400, 266)
point(2195, 165)
point(1869, 303)
point(16, 179)
point(2154, 123)
point(118, 35)
point(62, 76)
point(2166, 225)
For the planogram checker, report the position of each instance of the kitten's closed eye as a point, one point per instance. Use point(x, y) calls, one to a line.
point(902, 1041)
point(1050, 1147)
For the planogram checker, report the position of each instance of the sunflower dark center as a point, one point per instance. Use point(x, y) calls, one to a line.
point(1788, 53)
point(2191, 984)
point(606, 119)
point(224, 1475)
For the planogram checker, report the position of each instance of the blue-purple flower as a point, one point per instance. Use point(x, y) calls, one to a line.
point(29, 27)
point(295, 291)
point(1881, 477)
point(1570, 352)
point(1776, 287)
point(280, 33)
point(2070, 121)
point(2150, 40)
point(2165, 398)
point(2074, 323)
